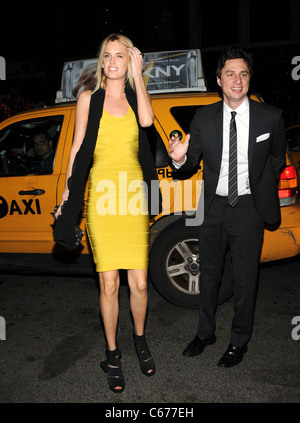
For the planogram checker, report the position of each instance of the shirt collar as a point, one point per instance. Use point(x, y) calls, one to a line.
point(244, 107)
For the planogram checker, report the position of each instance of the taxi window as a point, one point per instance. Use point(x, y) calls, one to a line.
point(184, 116)
point(29, 146)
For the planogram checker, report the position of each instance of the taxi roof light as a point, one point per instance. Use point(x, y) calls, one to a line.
point(164, 72)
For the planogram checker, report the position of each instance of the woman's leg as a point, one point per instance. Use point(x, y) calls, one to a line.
point(137, 281)
point(109, 305)
point(109, 308)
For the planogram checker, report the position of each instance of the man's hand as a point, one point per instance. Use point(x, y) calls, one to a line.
point(177, 149)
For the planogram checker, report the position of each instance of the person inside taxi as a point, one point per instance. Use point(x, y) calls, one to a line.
point(43, 149)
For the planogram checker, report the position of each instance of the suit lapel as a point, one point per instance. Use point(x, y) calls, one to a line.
point(219, 133)
point(253, 124)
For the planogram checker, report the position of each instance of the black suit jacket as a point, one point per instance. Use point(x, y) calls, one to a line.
point(266, 153)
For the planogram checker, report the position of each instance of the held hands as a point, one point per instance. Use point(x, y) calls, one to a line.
point(177, 149)
point(136, 61)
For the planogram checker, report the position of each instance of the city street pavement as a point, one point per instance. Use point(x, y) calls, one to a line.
point(54, 343)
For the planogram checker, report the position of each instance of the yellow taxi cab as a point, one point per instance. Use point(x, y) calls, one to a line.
point(29, 193)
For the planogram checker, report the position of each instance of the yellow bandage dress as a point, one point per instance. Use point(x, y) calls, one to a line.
point(117, 219)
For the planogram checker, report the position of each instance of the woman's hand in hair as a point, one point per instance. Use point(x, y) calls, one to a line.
point(136, 62)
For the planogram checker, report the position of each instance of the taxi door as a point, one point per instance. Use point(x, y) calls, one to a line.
point(30, 180)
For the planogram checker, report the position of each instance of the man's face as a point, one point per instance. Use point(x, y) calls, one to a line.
point(234, 81)
point(42, 146)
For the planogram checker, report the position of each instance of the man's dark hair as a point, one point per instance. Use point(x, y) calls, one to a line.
point(234, 52)
point(41, 132)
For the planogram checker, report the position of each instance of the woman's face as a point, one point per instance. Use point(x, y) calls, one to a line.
point(115, 60)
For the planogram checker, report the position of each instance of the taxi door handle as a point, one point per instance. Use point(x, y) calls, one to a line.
point(32, 192)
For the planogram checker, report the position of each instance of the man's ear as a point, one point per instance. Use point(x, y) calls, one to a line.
point(218, 81)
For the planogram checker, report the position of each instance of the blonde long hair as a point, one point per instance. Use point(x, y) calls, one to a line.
point(100, 75)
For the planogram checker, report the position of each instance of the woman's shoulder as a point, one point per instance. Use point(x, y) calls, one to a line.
point(84, 96)
point(83, 101)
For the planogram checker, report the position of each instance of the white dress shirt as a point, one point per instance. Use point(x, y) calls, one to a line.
point(242, 127)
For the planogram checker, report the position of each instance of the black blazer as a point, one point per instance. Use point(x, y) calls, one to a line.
point(266, 153)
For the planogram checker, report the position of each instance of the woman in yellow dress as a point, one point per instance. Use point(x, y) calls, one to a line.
point(110, 123)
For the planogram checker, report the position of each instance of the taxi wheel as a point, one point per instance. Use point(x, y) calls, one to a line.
point(174, 267)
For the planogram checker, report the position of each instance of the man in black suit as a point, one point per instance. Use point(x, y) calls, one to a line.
point(242, 143)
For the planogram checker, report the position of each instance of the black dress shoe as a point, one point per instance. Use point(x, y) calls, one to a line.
point(198, 345)
point(232, 356)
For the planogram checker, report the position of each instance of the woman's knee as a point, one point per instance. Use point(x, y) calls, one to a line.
point(138, 284)
point(109, 284)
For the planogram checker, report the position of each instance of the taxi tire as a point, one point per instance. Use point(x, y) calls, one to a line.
point(165, 245)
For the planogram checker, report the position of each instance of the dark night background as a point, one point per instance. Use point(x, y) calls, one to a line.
point(37, 38)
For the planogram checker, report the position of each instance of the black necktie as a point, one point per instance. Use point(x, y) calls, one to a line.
point(232, 173)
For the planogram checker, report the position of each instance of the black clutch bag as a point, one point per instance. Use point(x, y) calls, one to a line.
point(65, 233)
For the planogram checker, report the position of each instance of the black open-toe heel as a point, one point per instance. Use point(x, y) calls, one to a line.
point(112, 366)
point(146, 360)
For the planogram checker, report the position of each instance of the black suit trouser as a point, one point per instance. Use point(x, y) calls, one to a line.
point(242, 229)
